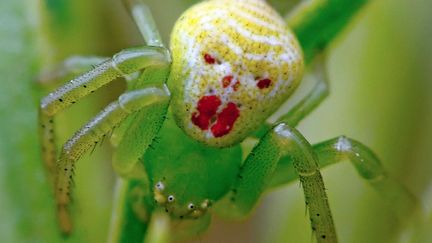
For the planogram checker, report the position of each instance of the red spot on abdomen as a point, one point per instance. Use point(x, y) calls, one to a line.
point(264, 83)
point(207, 107)
point(225, 120)
point(209, 59)
point(222, 122)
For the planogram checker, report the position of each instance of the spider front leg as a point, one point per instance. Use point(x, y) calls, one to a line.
point(123, 63)
point(72, 66)
point(91, 134)
point(144, 21)
point(259, 168)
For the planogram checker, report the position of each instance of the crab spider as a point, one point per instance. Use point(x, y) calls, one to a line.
point(230, 65)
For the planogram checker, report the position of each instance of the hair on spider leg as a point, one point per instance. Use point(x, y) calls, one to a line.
point(94, 146)
point(71, 182)
point(102, 140)
point(112, 131)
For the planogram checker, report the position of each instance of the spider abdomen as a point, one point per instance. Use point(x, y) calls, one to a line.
point(234, 63)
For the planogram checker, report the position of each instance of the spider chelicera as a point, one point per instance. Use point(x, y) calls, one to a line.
point(230, 65)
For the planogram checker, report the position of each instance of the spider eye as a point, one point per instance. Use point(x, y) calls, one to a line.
point(171, 198)
point(160, 186)
point(191, 206)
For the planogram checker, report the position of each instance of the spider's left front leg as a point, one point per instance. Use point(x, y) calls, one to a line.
point(259, 167)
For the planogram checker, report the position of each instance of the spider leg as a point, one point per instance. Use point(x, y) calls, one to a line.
point(72, 66)
point(159, 228)
point(367, 165)
point(91, 134)
point(138, 133)
point(144, 21)
point(123, 63)
point(131, 210)
point(259, 168)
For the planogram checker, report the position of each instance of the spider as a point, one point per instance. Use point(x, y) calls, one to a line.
point(181, 121)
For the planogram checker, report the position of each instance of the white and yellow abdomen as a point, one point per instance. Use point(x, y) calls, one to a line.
point(234, 63)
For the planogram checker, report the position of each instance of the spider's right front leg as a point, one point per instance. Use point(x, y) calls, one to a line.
point(122, 64)
point(89, 135)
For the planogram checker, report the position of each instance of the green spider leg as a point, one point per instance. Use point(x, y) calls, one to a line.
point(72, 66)
point(93, 132)
point(158, 229)
point(138, 133)
point(131, 210)
point(259, 168)
point(123, 64)
point(145, 22)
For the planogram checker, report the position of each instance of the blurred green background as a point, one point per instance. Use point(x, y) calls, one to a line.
point(381, 94)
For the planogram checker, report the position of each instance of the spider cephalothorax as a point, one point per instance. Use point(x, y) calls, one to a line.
point(233, 67)
point(186, 111)
point(175, 187)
